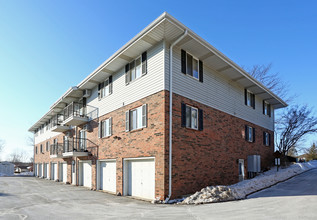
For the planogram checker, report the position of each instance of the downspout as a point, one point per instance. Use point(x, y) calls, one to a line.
point(171, 118)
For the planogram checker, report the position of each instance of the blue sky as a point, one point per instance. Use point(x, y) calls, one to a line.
point(48, 46)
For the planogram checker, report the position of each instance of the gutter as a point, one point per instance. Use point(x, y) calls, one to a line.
point(170, 116)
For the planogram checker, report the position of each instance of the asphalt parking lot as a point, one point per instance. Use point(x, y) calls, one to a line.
point(33, 198)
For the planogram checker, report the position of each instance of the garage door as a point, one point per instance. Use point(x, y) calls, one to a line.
point(63, 172)
point(108, 176)
point(54, 175)
point(141, 178)
point(85, 173)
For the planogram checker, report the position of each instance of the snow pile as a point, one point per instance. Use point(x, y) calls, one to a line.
point(4, 174)
point(210, 194)
point(25, 174)
point(244, 188)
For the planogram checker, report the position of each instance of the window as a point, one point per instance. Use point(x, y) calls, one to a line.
point(82, 140)
point(266, 138)
point(191, 66)
point(249, 133)
point(41, 148)
point(105, 128)
point(192, 117)
point(249, 98)
point(35, 150)
point(136, 118)
point(136, 68)
point(47, 145)
point(266, 108)
point(105, 88)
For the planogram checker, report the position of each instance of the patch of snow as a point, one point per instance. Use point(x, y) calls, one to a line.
point(25, 174)
point(5, 174)
point(242, 189)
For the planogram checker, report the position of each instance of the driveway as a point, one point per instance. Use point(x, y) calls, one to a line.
point(33, 198)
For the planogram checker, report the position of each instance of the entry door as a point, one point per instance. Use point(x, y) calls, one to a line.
point(35, 169)
point(241, 169)
point(74, 172)
point(141, 178)
point(54, 171)
point(45, 170)
point(40, 170)
point(64, 166)
point(82, 140)
point(108, 176)
point(86, 174)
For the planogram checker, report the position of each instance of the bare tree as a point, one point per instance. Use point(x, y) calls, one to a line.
point(2, 143)
point(311, 153)
point(271, 80)
point(30, 141)
point(18, 157)
point(292, 126)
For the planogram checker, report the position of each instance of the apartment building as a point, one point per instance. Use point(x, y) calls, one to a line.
point(120, 130)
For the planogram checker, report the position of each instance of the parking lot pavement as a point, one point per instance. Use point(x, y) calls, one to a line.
point(33, 198)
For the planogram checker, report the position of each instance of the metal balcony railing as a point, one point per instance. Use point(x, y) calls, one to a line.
point(57, 120)
point(75, 144)
point(56, 149)
point(74, 109)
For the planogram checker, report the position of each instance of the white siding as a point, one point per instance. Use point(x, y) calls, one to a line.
point(124, 94)
point(216, 91)
point(45, 136)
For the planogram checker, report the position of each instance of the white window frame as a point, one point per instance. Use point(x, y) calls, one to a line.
point(192, 73)
point(267, 139)
point(134, 69)
point(250, 134)
point(192, 118)
point(137, 115)
point(106, 127)
point(249, 98)
point(266, 108)
point(106, 90)
point(136, 118)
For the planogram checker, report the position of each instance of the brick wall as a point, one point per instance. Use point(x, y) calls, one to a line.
point(209, 157)
point(145, 142)
point(200, 158)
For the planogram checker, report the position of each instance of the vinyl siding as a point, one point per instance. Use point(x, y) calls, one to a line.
point(45, 136)
point(216, 91)
point(123, 94)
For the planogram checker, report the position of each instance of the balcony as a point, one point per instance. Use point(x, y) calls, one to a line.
point(57, 124)
point(56, 150)
point(75, 114)
point(75, 147)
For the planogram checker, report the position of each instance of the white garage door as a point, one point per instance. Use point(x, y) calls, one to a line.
point(85, 174)
point(63, 172)
point(141, 178)
point(54, 174)
point(108, 176)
